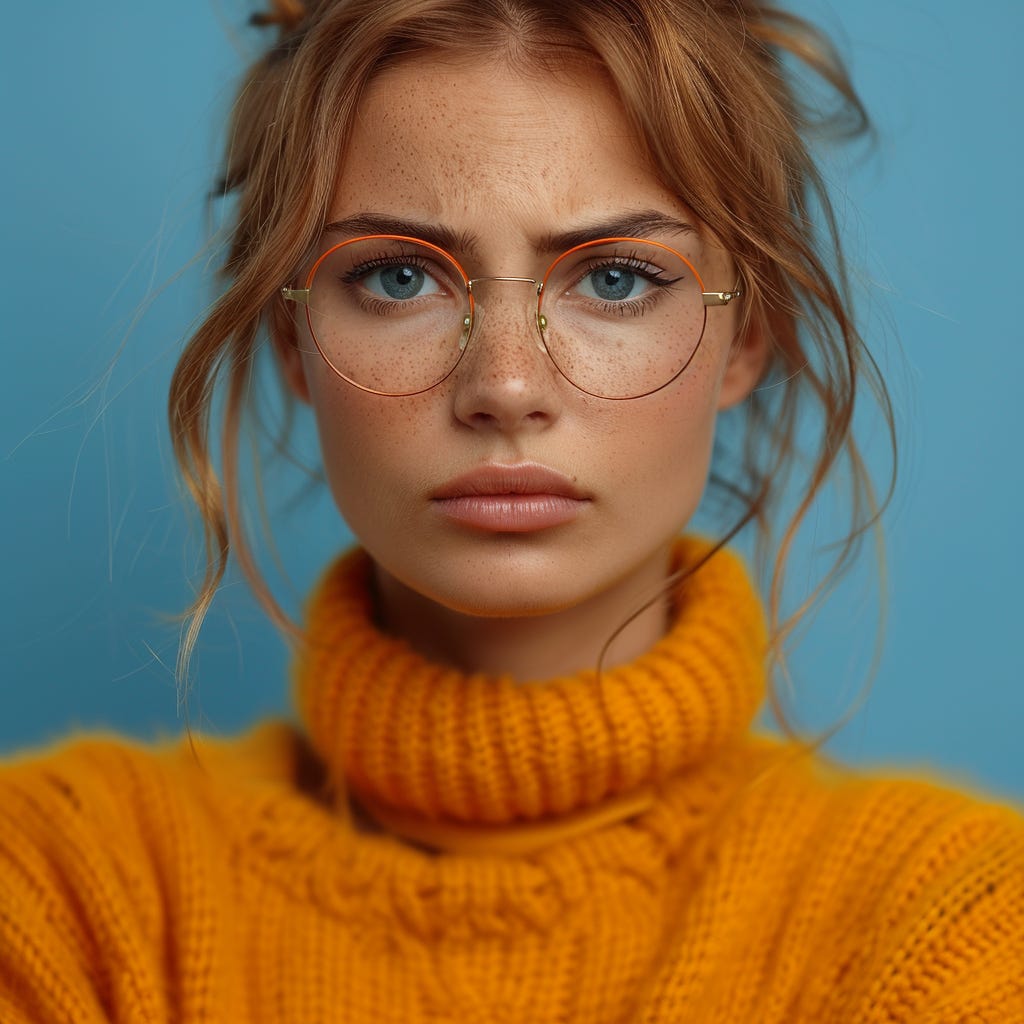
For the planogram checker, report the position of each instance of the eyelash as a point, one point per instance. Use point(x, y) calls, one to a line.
point(369, 266)
point(633, 262)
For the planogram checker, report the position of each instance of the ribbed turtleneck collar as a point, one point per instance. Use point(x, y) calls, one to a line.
point(429, 741)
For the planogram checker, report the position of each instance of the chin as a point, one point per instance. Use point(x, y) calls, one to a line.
point(494, 595)
point(501, 580)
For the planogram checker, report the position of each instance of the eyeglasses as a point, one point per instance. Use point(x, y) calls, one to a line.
point(619, 317)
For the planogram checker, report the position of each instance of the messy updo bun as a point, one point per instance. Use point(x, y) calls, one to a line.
point(287, 15)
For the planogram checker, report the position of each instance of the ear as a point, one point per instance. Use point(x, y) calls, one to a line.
point(285, 339)
point(747, 361)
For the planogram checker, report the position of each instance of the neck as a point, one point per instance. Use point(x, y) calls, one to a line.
point(537, 646)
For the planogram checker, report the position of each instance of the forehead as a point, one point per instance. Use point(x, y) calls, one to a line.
point(446, 94)
point(454, 142)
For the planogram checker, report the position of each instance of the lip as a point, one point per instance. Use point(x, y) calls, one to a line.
point(519, 498)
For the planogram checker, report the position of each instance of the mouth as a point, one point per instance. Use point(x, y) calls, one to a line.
point(520, 498)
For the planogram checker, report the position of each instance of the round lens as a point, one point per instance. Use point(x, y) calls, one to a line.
point(389, 314)
point(622, 317)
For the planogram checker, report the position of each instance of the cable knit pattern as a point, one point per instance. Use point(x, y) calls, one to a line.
point(708, 875)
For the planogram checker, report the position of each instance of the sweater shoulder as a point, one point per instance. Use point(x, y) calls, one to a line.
point(112, 786)
point(102, 771)
point(916, 887)
point(909, 829)
point(885, 805)
point(103, 841)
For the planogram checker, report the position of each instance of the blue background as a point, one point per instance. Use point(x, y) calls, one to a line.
point(111, 138)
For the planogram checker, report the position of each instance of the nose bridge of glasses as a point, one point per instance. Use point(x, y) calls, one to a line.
point(520, 280)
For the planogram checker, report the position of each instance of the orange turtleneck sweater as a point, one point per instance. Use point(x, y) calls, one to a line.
point(585, 849)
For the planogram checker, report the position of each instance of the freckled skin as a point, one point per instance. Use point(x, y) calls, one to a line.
point(485, 150)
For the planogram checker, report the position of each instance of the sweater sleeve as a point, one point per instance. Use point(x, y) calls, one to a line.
point(75, 919)
point(949, 941)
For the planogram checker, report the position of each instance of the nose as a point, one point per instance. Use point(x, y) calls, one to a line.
point(506, 381)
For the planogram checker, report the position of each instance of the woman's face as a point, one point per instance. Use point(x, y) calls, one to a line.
point(502, 163)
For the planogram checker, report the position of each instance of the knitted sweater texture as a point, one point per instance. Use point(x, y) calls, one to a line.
point(602, 849)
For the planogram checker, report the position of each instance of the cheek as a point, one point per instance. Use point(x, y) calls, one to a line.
point(663, 448)
point(349, 436)
point(367, 449)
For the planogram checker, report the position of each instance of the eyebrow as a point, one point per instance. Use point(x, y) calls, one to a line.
point(634, 224)
point(628, 225)
point(381, 224)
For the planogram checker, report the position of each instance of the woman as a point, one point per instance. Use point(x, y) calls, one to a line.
point(518, 258)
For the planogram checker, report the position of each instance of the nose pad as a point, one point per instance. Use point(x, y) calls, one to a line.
point(467, 329)
point(542, 326)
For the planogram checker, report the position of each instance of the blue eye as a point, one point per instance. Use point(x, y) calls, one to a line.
point(611, 284)
point(399, 281)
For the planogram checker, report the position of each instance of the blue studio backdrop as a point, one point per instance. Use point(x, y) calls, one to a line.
point(113, 116)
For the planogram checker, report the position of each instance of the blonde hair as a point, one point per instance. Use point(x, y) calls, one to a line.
point(705, 85)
